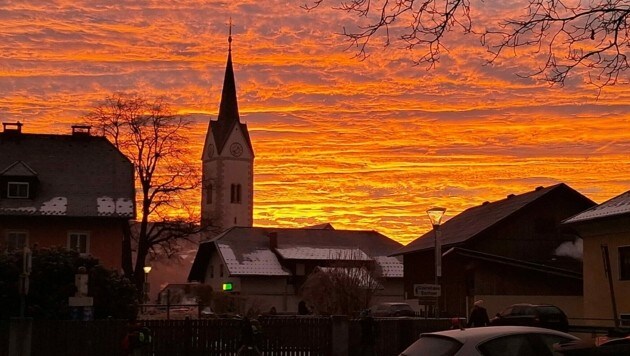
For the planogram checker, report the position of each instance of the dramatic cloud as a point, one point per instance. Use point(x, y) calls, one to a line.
point(361, 144)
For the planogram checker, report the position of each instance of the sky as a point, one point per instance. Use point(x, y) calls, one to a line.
point(363, 144)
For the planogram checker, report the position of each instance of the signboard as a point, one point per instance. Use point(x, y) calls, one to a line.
point(427, 290)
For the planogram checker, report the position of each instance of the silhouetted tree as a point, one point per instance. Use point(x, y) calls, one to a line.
point(345, 287)
point(569, 34)
point(156, 142)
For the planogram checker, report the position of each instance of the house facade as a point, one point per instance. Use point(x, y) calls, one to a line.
point(605, 230)
point(267, 266)
point(74, 191)
point(503, 252)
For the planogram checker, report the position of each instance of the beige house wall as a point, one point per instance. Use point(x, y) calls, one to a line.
point(597, 294)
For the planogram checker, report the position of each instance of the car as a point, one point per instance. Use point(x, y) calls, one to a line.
point(489, 341)
point(540, 315)
point(394, 309)
point(614, 346)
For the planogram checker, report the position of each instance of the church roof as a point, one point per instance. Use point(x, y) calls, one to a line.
point(228, 110)
point(617, 206)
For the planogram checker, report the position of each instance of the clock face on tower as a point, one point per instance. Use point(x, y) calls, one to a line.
point(236, 149)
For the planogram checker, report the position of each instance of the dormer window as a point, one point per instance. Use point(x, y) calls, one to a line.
point(17, 190)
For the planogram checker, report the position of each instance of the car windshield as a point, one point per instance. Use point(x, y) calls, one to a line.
point(433, 345)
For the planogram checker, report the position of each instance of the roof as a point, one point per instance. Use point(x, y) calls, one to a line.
point(76, 175)
point(619, 205)
point(228, 112)
point(478, 219)
point(506, 261)
point(247, 250)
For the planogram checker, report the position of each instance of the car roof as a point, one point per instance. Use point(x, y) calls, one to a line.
point(393, 303)
point(483, 333)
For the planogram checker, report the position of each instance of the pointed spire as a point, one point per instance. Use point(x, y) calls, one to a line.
point(228, 109)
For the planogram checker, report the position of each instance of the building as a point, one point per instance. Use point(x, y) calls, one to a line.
point(503, 252)
point(227, 196)
point(75, 191)
point(605, 230)
point(267, 266)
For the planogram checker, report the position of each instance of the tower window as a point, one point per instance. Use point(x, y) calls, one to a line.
point(235, 194)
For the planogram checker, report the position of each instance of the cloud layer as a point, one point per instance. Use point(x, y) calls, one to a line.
point(362, 144)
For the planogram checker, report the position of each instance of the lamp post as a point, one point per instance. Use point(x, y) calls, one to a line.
point(145, 295)
point(436, 215)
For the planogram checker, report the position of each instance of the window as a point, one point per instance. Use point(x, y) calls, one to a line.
point(79, 241)
point(624, 263)
point(16, 240)
point(17, 190)
point(235, 194)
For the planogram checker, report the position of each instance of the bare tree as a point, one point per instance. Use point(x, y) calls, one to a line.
point(147, 132)
point(569, 34)
point(345, 287)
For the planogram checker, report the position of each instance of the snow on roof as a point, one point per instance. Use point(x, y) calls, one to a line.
point(391, 267)
point(258, 262)
point(615, 206)
point(325, 253)
point(55, 206)
point(108, 206)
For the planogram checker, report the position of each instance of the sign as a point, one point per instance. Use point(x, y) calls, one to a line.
point(427, 290)
point(228, 287)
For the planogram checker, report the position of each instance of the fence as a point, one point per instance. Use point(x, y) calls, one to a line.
point(281, 335)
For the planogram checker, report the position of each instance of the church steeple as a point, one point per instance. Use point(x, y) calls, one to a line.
point(227, 194)
point(228, 109)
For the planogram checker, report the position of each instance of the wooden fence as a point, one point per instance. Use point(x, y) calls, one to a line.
point(281, 335)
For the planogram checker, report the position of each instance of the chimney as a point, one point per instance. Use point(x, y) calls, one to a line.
point(510, 196)
point(539, 188)
point(81, 130)
point(273, 240)
point(12, 127)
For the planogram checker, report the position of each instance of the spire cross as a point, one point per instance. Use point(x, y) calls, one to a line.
point(230, 36)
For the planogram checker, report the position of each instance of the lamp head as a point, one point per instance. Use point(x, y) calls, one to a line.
point(436, 215)
point(146, 269)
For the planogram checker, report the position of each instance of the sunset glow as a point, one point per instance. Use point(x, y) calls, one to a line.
point(365, 145)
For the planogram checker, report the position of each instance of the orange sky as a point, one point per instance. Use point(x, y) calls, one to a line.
point(361, 144)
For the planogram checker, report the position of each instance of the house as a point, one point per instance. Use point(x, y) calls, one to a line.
point(269, 265)
point(75, 191)
point(502, 252)
point(605, 230)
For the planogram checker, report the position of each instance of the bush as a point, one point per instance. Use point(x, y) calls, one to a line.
point(52, 282)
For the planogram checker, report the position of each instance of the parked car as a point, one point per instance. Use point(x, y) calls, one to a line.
point(614, 347)
point(544, 316)
point(489, 341)
point(393, 309)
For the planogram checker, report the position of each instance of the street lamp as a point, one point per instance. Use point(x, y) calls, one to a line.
point(146, 269)
point(436, 215)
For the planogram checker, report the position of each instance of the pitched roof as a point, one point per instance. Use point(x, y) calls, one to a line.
point(77, 175)
point(247, 250)
point(475, 220)
point(616, 206)
point(228, 111)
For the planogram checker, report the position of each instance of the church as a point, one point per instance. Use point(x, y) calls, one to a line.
point(227, 196)
point(266, 267)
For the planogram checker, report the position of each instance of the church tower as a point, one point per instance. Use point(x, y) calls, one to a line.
point(227, 196)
